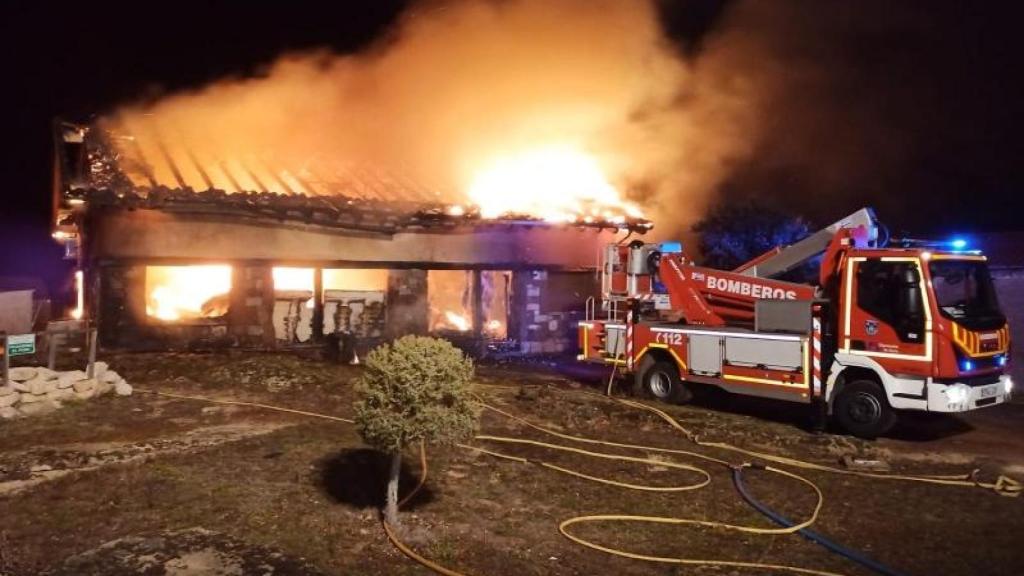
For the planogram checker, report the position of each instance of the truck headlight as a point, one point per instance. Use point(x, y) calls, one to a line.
point(957, 393)
point(1008, 385)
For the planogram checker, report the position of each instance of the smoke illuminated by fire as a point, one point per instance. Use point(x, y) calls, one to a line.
point(187, 292)
point(560, 109)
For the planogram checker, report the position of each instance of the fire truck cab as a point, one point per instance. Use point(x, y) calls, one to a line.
point(885, 326)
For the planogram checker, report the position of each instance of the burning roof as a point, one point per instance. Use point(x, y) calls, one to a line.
point(138, 167)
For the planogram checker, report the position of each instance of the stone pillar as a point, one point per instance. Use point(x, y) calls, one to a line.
point(251, 316)
point(407, 309)
point(477, 311)
point(318, 305)
point(118, 304)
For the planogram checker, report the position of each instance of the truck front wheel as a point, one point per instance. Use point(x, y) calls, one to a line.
point(661, 380)
point(862, 409)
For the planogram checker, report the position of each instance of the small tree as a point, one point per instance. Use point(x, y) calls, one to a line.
point(415, 389)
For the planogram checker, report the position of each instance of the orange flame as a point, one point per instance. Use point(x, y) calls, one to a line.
point(181, 292)
point(558, 183)
point(458, 321)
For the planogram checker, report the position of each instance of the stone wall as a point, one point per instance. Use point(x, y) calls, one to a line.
point(546, 307)
point(1009, 284)
point(39, 390)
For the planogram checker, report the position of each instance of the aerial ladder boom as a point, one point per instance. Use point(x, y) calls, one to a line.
point(781, 260)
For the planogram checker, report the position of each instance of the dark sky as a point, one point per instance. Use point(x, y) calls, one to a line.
point(930, 90)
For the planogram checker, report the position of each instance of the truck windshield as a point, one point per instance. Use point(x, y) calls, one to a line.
point(964, 292)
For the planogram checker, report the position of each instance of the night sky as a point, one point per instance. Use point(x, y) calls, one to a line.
point(934, 84)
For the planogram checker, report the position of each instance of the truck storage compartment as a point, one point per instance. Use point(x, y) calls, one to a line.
point(705, 354)
point(615, 340)
point(771, 353)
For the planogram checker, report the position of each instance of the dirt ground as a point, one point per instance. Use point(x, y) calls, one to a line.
point(153, 485)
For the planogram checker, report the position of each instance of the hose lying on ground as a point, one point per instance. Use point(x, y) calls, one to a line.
point(863, 560)
point(1004, 485)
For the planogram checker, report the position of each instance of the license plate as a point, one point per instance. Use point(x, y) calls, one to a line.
point(989, 391)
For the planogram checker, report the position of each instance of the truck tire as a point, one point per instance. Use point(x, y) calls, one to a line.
point(661, 381)
point(862, 409)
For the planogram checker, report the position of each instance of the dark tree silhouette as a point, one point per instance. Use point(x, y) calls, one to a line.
point(733, 234)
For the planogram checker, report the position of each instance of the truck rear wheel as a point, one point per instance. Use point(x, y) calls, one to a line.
point(862, 409)
point(661, 381)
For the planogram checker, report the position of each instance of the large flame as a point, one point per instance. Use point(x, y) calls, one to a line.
point(183, 292)
point(558, 183)
point(295, 280)
point(499, 104)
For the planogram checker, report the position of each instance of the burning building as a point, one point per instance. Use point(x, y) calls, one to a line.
point(181, 246)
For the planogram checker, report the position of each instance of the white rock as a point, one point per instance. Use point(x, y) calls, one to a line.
point(88, 385)
point(46, 374)
point(66, 379)
point(39, 386)
point(102, 387)
point(29, 398)
point(39, 408)
point(7, 390)
point(9, 400)
point(61, 394)
point(21, 374)
point(123, 388)
point(19, 386)
point(99, 368)
point(86, 395)
point(8, 412)
point(109, 376)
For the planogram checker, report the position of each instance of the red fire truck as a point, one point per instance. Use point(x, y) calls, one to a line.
point(886, 325)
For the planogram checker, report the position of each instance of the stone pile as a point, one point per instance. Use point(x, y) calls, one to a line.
point(37, 390)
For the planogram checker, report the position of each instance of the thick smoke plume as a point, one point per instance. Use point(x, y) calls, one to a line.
point(456, 84)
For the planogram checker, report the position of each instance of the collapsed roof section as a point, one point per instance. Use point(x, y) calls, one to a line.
point(108, 166)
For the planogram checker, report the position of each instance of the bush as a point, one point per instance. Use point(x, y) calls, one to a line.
point(415, 389)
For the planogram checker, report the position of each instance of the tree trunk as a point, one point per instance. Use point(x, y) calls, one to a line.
point(391, 506)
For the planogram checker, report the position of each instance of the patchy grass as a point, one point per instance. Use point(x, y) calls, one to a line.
point(308, 488)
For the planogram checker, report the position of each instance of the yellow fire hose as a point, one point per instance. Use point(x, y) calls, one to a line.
point(1004, 485)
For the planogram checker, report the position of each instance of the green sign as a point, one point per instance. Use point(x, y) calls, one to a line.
point(21, 344)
